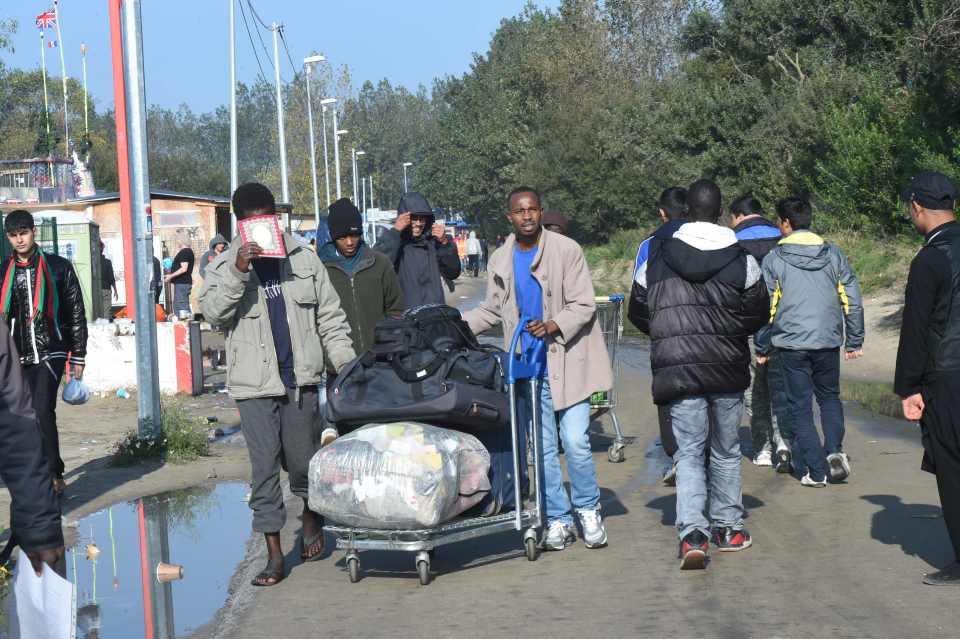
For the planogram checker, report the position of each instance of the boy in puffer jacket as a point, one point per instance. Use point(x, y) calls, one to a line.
point(815, 308)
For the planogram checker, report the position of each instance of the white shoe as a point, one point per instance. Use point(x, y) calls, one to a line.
point(594, 532)
point(559, 536)
point(328, 436)
point(670, 476)
point(807, 481)
point(839, 466)
point(763, 458)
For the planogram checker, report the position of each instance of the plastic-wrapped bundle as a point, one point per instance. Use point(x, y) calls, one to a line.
point(400, 475)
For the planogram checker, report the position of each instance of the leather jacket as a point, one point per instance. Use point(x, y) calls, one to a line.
point(38, 340)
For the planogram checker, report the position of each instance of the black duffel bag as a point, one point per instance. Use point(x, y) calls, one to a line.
point(425, 366)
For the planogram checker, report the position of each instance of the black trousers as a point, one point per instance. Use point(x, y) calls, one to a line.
point(281, 433)
point(473, 264)
point(940, 428)
point(44, 380)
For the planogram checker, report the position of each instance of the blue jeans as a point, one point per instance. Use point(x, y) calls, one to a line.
point(691, 427)
point(181, 298)
point(805, 374)
point(574, 422)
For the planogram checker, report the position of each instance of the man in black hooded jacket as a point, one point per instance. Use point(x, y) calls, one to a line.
point(704, 297)
point(421, 251)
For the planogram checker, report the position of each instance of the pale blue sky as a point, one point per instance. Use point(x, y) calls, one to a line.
point(185, 41)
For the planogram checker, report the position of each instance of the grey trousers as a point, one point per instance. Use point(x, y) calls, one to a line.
point(281, 433)
point(765, 403)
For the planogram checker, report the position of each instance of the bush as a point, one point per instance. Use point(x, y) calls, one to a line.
point(183, 438)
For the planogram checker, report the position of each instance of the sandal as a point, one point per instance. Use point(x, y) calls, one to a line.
point(267, 578)
point(307, 544)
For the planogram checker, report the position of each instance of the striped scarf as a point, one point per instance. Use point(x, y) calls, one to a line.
point(46, 300)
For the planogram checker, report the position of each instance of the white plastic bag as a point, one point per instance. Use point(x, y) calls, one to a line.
point(42, 607)
point(76, 392)
point(400, 475)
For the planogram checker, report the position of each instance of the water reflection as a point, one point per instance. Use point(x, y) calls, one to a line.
point(203, 529)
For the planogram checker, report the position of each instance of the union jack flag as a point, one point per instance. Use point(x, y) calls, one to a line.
point(46, 19)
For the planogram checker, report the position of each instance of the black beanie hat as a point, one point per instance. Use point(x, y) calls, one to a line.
point(344, 219)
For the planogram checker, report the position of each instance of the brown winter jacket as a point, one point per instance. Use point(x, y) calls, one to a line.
point(577, 362)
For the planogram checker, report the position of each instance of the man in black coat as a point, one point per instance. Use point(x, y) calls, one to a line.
point(421, 251)
point(700, 297)
point(42, 304)
point(928, 360)
point(34, 514)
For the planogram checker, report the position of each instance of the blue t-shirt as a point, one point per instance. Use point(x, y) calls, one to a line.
point(268, 270)
point(529, 295)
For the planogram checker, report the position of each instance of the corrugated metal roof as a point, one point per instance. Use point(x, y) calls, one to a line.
point(157, 193)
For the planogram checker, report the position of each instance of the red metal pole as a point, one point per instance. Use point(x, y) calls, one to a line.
point(146, 583)
point(123, 171)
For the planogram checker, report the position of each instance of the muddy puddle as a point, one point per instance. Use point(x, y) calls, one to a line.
point(114, 563)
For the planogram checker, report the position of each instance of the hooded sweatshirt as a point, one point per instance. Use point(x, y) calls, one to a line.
point(704, 297)
point(210, 254)
point(473, 244)
point(421, 263)
point(814, 296)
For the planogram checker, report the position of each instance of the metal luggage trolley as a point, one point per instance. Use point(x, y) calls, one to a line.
point(525, 517)
point(610, 319)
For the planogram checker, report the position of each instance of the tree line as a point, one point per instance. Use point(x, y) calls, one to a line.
point(603, 103)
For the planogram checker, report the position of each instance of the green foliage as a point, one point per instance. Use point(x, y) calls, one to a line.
point(183, 438)
point(874, 396)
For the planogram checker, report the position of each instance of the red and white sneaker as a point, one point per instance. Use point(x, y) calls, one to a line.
point(730, 540)
point(693, 551)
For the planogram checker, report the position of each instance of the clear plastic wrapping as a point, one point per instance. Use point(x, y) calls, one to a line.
point(403, 475)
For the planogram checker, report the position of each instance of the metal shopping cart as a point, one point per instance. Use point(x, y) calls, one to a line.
point(610, 319)
point(525, 517)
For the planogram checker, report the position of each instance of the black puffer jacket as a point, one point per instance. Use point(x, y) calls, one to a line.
point(42, 340)
point(704, 297)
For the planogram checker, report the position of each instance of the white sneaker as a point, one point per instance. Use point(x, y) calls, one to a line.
point(670, 476)
point(763, 458)
point(839, 466)
point(594, 532)
point(809, 482)
point(328, 436)
point(559, 536)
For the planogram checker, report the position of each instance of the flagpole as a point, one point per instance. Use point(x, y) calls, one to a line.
point(86, 113)
point(63, 73)
point(46, 105)
point(43, 72)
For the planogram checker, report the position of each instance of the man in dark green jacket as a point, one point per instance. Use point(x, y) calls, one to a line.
point(364, 279)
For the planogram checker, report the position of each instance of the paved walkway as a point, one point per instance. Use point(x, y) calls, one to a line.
point(844, 561)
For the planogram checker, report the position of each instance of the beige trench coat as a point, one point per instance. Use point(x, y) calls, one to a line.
point(577, 362)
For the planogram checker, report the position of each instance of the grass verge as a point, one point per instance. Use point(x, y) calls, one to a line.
point(183, 438)
point(874, 396)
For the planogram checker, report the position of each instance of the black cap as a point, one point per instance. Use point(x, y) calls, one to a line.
point(415, 204)
point(931, 190)
point(344, 219)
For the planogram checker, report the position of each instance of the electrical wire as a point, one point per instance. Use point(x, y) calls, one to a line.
point(260, 35)
point(263, 77)
point(289, 57)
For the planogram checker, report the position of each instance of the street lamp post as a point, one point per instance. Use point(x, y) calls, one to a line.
point(356, 154)
point(405, 165)
point(326, 163)
point(307, 63)
point(280, 128)
point(336, 140)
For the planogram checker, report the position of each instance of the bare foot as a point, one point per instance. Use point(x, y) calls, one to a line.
point(313, 542)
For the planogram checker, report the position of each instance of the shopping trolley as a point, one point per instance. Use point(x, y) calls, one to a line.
point(610, 320)
point(525, 517)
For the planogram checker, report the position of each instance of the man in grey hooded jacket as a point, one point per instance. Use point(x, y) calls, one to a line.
point(814, 300)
